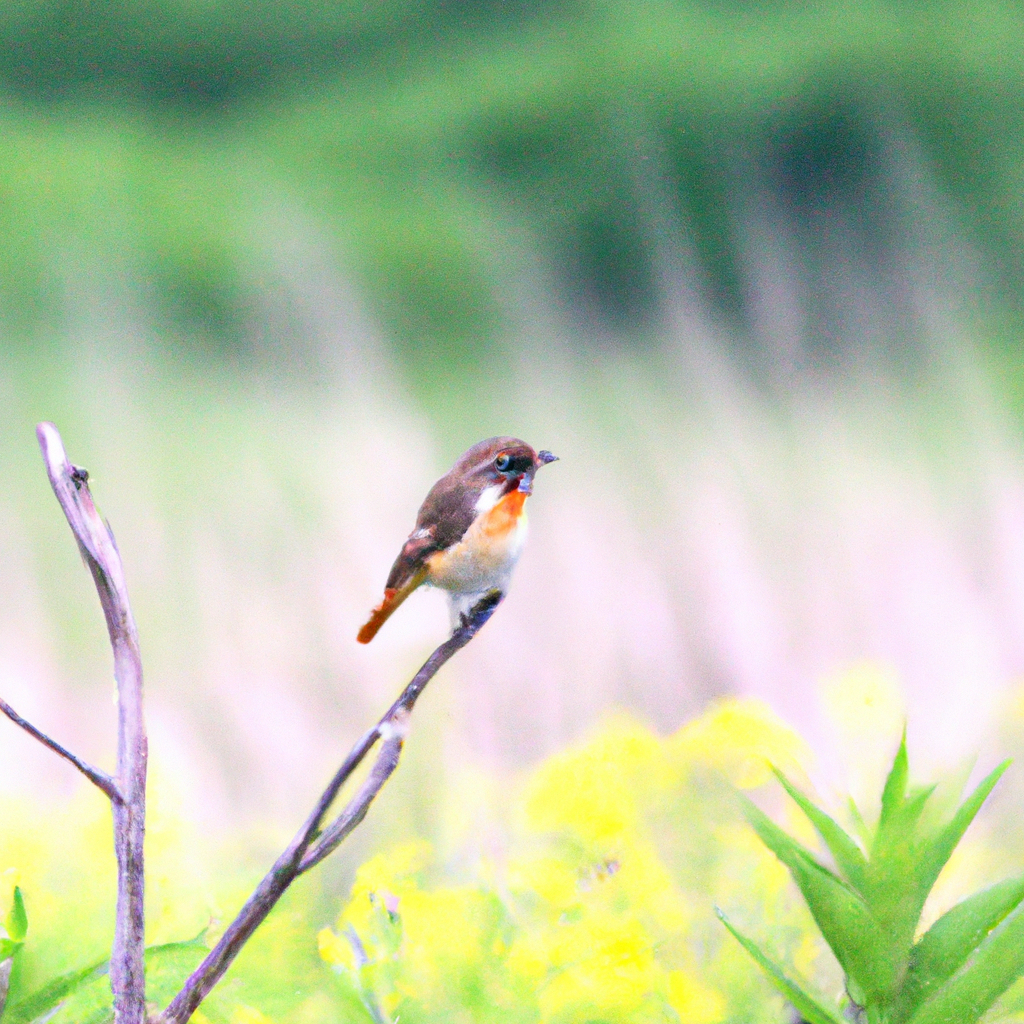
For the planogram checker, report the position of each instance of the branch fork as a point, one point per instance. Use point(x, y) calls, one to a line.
point(126, 789)
point(312, 843)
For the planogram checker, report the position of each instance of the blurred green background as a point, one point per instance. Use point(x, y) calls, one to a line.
point(752, 270)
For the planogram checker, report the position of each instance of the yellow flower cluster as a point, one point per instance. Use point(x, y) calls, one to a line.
point(602, 910)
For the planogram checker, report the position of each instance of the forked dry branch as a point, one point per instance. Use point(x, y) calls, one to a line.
point(312, 843)
point(126, 789)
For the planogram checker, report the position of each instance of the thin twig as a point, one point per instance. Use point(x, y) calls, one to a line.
point(302, 854)
point(361, 959)
point(355, 810)
point(94, 775)
point(99, 550)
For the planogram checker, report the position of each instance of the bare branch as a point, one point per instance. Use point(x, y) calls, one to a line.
point(355, 810)
point(96, 542)
point(302, 854)
point(94, 775)
point(361, 959)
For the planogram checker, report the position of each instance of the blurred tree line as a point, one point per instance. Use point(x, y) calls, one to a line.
point(602, 151)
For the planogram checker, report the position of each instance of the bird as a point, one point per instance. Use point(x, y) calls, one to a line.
point(469, 531)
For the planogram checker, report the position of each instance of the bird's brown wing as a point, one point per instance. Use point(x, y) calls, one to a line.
point(411, 559)
point(445, 515)
point(448, 510)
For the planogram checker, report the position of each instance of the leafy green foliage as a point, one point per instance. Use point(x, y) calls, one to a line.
point(425, 130)
point(16, 923)
point(51, 995)
point(16, 926)
point(69, 893)
point(83, 996)
point(862, 947)
point(869, 912)
point(948, 944)
point(813, 1010)
point(87, 1000)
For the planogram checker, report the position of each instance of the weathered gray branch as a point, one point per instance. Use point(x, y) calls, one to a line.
point(94, 775)
point(99, 550)
point(311, 845)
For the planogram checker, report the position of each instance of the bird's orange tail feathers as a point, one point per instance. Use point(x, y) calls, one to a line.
point(384, 611)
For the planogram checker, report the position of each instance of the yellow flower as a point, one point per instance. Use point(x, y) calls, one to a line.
point(603, 910)
point(334, 949)
point(740, 738)
point(247, 1015)
point(602, 965)
point(550, 879)
point(866, 707)
point(806, 956)
point(382, 882)
point(443, 934)
point(865, 699)
point(591, 789)
point(393, 869)
point(693, 1001)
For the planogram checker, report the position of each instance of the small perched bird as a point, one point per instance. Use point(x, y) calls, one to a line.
point(470, 529)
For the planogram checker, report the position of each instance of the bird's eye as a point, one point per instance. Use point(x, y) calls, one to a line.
point(502, 462)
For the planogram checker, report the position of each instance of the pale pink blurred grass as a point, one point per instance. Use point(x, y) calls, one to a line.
point(697, 552)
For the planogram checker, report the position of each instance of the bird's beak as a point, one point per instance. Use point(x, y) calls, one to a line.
point(526, 480)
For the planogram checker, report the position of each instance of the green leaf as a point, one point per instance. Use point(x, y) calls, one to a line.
point(168, 966)
point(895, 784)
point(996, 964)
point(165, 964)
point(894, 850)
point(806, 1005)
point(905, 863)
point(913, 805)
point(947, 945)
point(848, 855)
point(894, 894)
point(859, 824)
point(862, 948)
point(950, 791)
point(933, 858)
point(16, 922)
point(901, 811)
point(8, 947)
point(26, 1010)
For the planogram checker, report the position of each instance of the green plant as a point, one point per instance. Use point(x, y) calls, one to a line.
point(74, 996)
point(869, 909)
point(15, 926)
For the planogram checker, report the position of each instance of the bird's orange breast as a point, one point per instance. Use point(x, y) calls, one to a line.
point(505, 515)
point(487, 553)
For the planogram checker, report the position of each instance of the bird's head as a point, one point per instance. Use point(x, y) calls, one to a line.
point(505, 461)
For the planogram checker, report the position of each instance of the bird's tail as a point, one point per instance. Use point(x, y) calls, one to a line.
point(392, 599)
